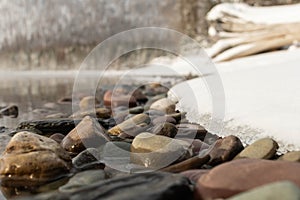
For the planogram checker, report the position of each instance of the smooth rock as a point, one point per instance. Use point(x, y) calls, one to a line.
point(192, 163)
point(196, 131)
point(103, 113)
point(162, 119)
point(155, 151)
point(194, 174)
point(262, 149)
point(88, 159)
point(116, 155)
point(65, 100)
point(293, 156)
point(82, 179)
point(165, 129)
point(241, 175)
point(115, 100)
point(87, 103)
point(136, 110)
point(146, 186)
point(273, 191)
point(12, 111)
point(177, 116)
point(139, 96)
point(165, 105)
point(132, 126)
point(57, 137)
point(88, 133)
point(152, 100)
point(30, 160)
point(225, 149)
point(56, 116)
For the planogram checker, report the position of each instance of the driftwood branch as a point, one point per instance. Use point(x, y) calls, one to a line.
point(242, 30)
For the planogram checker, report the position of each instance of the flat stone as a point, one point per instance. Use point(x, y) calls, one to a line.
point(165, 105)
point(192, 163)
point(82, 179)
point(162, 119)
point(262, 149)
point(225, 149)
point(56, 116)
point(88, 133)
point(146, 186)
point(293, 156)
point(31, 160)
point(87, 103)
point(88, 159)
point(275, 191)
point(155, 151)
point(132, 126)
point(241, 175)
point(165, 129)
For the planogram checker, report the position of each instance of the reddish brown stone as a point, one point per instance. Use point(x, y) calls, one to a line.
point(117, 99)
point(194, 174)
point(225, 149)
point(240, 175)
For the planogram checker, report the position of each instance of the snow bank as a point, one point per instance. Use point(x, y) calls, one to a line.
point(262, 98)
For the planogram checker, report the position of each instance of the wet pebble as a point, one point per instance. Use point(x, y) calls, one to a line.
point(132, 126)
point(225, 149)
point(165, 105)
point(57, 137)
point(157, 151)
point(12, 111)
point(88, 133)
point(31, 160)
point(165, 129)
point(87, 103)
point(88, 159)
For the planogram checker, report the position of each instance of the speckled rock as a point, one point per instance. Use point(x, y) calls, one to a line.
point(273, 191)
point(165, 129)
point(293, 156)
point(30, 160)
point(157, 151)
point(82, 179)
point(225, 149)
point(262, 149)
point(165, 105)
point(241, 175)
point(132, 126)
point(88, 133)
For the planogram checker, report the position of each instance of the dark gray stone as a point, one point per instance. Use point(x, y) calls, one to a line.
point(147, 186)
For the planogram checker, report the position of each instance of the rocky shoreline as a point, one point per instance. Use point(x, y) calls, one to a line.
point(137, 146)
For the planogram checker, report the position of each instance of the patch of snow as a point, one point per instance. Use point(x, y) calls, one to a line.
point(262, 98)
